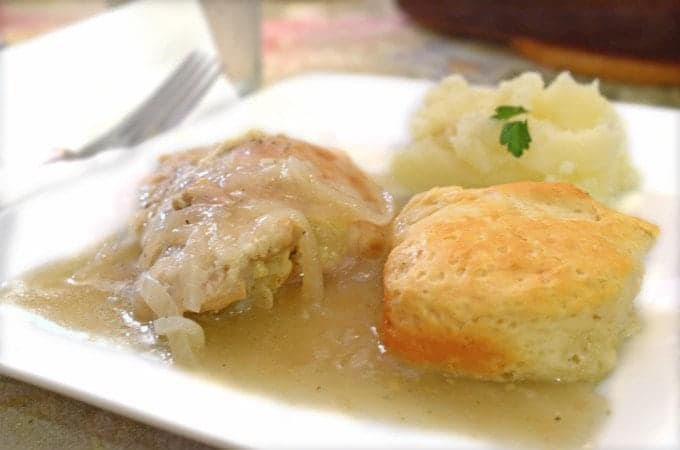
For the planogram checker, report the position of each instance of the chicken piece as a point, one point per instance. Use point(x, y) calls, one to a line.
point(237, 221)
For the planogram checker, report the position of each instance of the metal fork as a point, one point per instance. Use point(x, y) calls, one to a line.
point(166, 107)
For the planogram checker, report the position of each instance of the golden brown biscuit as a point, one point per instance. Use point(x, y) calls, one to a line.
point(522, 281)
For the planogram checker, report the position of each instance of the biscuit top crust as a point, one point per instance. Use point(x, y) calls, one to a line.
point(530, 249)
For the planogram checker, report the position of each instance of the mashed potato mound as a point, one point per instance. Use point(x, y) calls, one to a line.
point(577, 137)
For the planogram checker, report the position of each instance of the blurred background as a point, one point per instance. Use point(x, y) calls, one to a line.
point(633, 47)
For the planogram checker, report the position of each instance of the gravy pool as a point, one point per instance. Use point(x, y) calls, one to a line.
point(323, 354)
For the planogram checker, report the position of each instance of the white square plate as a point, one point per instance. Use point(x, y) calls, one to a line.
point(366, 116)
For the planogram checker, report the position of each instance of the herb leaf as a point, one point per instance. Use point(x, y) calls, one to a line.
point(506, 111)
point(515, 135)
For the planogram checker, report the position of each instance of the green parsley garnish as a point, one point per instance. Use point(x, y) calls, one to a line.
point(507, 111)
point(514, 135)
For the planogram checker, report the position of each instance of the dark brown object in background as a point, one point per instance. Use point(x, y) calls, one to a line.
point(628, 40)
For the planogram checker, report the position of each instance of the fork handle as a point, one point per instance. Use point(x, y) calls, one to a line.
point(101, 144)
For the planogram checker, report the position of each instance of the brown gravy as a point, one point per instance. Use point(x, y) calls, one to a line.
point(324, 355)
